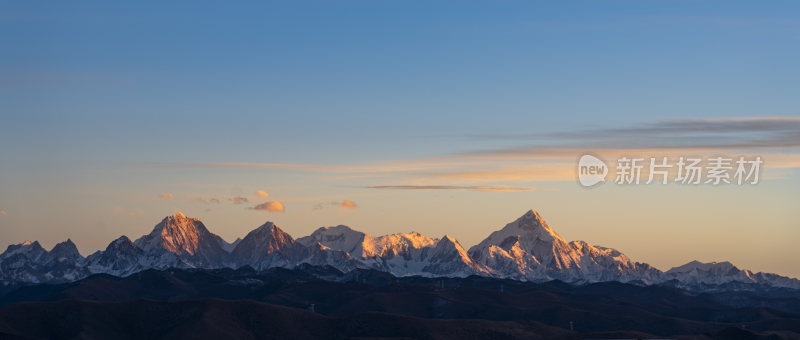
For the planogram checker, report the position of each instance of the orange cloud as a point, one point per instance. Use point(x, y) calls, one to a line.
point(262, 193)
point(348, 204)
point(166, 196)
point(3, 212)
point(273, 206)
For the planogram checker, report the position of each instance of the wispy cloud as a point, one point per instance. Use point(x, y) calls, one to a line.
point(166, 196)
point(365, 168)
point(3, 212)
point(344, 204)
point(208, 200)
point(262, 193)
point(716, 133)
point(238, 199)
point(273, 206)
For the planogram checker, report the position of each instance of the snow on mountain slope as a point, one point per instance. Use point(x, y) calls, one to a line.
point(320, 255)
point(720, 273)
point(528, 248)
point(20, 262)
point(31, 251)
point(400, 254)
point(448, 258)
point(29, 262)
point(64, 251)
point(229, 246)
point(362, 245)
point(121, 258)
point(265, 247)
point(340, 237)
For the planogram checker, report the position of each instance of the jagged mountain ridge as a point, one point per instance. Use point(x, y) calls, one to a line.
point(526, 249)
point(400, 254)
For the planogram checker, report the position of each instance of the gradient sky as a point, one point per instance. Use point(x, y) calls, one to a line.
point(113, 116)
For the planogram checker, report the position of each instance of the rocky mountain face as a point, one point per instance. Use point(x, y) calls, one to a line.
point(188, 239)
point(265, 247)
point(526, 249)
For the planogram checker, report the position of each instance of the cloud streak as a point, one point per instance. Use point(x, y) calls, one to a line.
point(717, 133)
point(494, 188)
point(208, 200)
point(551, 157)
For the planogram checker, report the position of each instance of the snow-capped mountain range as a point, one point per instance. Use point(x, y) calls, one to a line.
point(525, 249)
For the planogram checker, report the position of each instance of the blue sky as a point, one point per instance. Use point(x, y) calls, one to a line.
point(106, 106)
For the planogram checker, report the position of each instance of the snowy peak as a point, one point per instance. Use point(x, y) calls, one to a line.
point(65, 250)
point(188, 239)
point(361, 245)
point(394, 244)
point(120, 243)
point(700, 266)
point(531, 223)
point(177, 234)
point(530, 230)
point(268, 236)
point(340, 237)
point(528, 248)
point(31, 250)
point(718, 273)
point(264, 247)
point(450, 246)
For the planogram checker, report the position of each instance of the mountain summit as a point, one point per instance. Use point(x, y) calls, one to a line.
point(187, 238)
point(265, 247)
point(529, 249)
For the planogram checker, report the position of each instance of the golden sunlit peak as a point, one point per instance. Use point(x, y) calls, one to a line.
point(180, 216)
